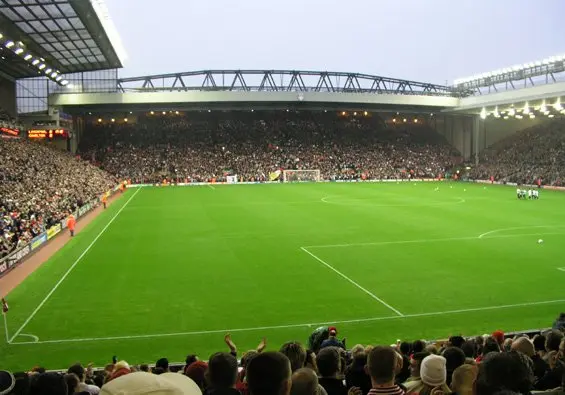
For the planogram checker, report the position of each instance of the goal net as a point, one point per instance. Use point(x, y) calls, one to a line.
point(301, 175)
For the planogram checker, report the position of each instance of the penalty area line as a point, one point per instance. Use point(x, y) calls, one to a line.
point(289, 326)
point(19, 331)
point(352, 282)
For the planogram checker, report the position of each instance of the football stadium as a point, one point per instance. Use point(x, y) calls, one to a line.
point(357, 233)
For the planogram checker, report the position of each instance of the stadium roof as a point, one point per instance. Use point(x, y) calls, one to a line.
point(67, 36)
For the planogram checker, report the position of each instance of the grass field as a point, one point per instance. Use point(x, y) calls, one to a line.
point(167, 271)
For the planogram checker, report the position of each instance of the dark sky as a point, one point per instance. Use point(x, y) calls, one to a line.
point(425, 40)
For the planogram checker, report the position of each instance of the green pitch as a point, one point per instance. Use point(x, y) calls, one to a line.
point(167, 271)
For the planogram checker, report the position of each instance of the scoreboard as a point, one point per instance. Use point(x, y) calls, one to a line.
point(49, 134)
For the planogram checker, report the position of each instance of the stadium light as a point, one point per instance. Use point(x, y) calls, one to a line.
point(28, 57)
point(48, 71)
point(1, 35)
point(152, 112)
point(53, 75)
point(176, 112)
point(404, 120)
point(59, 78)
point(483, 113)
point(365, 113)
point(550, 116)
point(415, 120)
point(558, 105)
point(113, 120)
point(19, 51)
point(125, 119)
point(393, 120)
point(512, 112)
point(99, 120)
point(355, 113)
point(9, 44)
point(42, 66)
point(164, 112)
point(526, 108)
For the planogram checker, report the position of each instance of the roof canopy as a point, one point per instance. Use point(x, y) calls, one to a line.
point(67, 35)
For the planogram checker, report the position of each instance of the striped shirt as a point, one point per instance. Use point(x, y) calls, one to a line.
point(393, 390)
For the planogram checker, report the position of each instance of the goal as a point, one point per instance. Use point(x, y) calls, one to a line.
point(301, 175)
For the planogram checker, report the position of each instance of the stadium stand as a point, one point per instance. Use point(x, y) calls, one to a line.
point(252, 146)
point(526, 156)
point(39, 186)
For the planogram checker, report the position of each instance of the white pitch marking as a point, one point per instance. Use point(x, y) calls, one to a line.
point(306, 325)
point(210, 186)
point(71, 268)
point(352, 282)
point(325, 200)
point(377, 243)
point(519, 228)
point(6, 328)
point(35, 338)
point(561, 268)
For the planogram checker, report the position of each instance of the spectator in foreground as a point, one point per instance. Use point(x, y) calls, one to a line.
point(304, 382)
point(49, 383)
point(222, 374)
point(332, 340)
point(72, 383)
point(197, 372)
point(454, 357)
point(503, 372)
point(381, 367)
point(296, 354)
point(269, 374)
point(162, 363)
point(355, 374)
point(80, 372)
point(463, 380)
point(142, 383)
point(414, 382)
point(434, 375)
point(329, 369)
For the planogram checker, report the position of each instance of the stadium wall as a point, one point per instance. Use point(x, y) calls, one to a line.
point(458, 131)
point(8, 96)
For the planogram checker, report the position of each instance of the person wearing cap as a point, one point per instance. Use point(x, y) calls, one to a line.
point(333, 341)
point(382, 364)
point(434, 375)
point(142, 383)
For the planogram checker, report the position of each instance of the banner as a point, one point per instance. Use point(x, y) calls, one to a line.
point(17, 256)
point(83, 210)
point(52, 231)
point(231, 179)
point(38, 241)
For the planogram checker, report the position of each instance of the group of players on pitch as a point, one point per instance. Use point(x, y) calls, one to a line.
point(532, 194)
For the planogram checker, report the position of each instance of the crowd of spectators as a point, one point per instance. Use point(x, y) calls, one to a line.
point(39, 186)
point(253, 145)
point(485, 365)
point(526, 156)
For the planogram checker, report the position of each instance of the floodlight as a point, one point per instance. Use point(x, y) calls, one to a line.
point(53, 75)
point(125, 119)
point(511, 112)
point(113, 120)
point(1, 35)
point(550, 116)
point(64, 82)
point(415, 120)
point(176, 112)
point(59, 78)
point(483, 113)
point(42, 66)
point(365, 113)
point(404, 120)
point(48, 71)
point(18, 51)
point(526, 109)
point(393, 120)
point(28, 57)
point(9, 44)
point(557, 105)
point(99, 119)
point(505, 117)
point(354, 113)
point(164, 113)
point(152, 112)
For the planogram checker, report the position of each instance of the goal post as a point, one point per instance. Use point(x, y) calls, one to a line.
point(301, 175)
